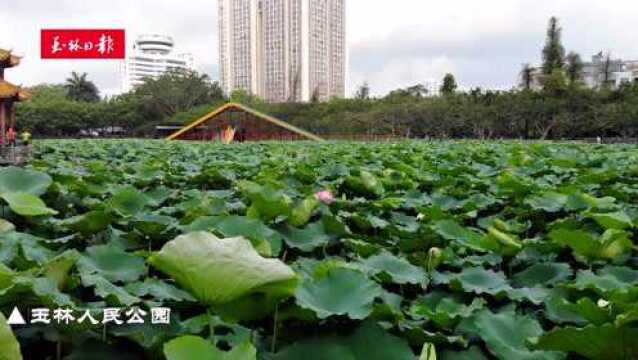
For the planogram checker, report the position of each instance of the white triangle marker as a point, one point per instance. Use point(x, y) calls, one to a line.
point(16, 318)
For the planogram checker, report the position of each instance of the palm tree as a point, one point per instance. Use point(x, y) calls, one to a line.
point(79, 88)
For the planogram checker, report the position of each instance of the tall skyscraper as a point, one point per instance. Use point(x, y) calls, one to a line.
point(153, 56)
point(283, 50)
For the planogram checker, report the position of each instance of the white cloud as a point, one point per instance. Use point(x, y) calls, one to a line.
point(391, 43)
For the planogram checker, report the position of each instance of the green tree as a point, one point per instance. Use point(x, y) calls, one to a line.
point(553, 52)
point(177, 91)
point(527, 77)
point(555, 84)
point(79, 88)
point(449, 85)
point(606, 71)
point(45, 92)
point(574, 68)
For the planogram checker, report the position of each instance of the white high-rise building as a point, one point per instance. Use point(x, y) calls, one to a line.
point(283, 50)
point(152, 56)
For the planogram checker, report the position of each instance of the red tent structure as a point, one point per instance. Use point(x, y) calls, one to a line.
point(240, 123)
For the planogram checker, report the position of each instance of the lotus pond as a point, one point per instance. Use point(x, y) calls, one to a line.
point(415, 250)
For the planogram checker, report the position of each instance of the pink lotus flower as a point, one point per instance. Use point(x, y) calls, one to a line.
point(325, 197)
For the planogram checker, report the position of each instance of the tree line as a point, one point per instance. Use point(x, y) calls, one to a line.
point(76, 107)
point(559, 106)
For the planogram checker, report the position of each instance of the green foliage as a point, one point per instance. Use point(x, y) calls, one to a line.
point(79, 88)
point(202, 263)
point(574, 68)
point(449, 85)
point(194, 347)
point(9, 346)
point(553, 52)
point(505, 334)
point(459, 250)
point(369, 342)
point(340, 291)
point(178, 91)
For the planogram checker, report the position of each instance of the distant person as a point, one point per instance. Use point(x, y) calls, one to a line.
point(11, 137)
point(25, 136)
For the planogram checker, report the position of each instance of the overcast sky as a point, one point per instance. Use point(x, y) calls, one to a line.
point(392, 43)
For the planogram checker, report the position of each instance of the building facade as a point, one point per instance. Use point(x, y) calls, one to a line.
point(153, 56)
point(283, 50)
point(598, 72)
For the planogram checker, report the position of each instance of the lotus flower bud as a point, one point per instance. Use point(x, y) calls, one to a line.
point(325, 197)
point(435, 258)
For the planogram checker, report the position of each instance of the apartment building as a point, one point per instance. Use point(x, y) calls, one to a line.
point(283, 50)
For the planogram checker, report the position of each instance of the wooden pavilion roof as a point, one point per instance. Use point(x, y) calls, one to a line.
point(7, 59)
point(10, 91)
point(242, 108)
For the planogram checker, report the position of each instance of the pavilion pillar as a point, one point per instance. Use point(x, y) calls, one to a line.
point(3, 124)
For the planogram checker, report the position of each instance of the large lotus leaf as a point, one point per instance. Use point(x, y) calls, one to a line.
point(27, 204)
point(23, 250)
point(158, 290)
point(9, 346)
point(340, 291)
point(444, 309)
point(191, 347)
point(451, 230)
point(506, 333)
point(18, 180)
point(615, 243)
point(584, 311)
point(309, 238)
point(300, 214)
point(6, 276)
point(611, 244)
point(535, 295)
point(159, 195)
point(604, 203)
point(559, 310)
point(366, 184)
point(610, 278)
point(617, 220)
point(266, 202)
point(477, 280)
point(96, 350)
point(43, 289)
point(152, 225)
point(606, 342)
point(57, 269)
point(542, 274)
point(89, 223)
point(398, 269)
point(107, 290)
point(129, 201)
point(266, 240)
point(112, 263)
point(474, 353)
point(369, 342)
point(218, 271)
point(549, 202)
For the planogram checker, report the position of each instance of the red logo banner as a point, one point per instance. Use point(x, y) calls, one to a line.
point(82, 44)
